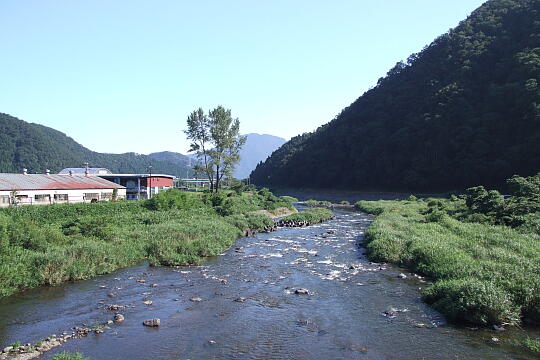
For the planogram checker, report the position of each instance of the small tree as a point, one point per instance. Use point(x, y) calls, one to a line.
point(216, 140)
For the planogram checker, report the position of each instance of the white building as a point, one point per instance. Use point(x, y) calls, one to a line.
point(38, 189)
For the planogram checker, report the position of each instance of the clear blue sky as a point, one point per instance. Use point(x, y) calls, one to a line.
point(122, 76)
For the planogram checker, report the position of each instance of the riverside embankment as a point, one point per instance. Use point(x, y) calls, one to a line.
point(244, 304)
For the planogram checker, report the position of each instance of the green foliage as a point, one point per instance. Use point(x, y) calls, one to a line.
point(173, 199)
point(521, 210)
point(216, 140)
point(311, 216)
point(463, 111)
point(482, 273)
point(48, 245)
point(69, 356)
point(289, 199)
point(37, 147)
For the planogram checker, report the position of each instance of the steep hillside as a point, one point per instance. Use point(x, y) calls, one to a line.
point(37, 148)
point(463, 111)
point(256, 149)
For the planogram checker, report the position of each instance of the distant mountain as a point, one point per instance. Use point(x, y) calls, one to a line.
point(256, 149)
point(37, 148)
point(464, 111)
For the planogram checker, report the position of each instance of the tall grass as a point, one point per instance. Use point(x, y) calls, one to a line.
point(48, 245)
point(482, 274)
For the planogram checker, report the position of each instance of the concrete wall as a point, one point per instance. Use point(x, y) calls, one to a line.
point(27, 197)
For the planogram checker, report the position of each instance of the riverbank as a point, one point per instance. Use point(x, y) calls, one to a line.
point(49, 245)
point(482, 274)
point(353, 308)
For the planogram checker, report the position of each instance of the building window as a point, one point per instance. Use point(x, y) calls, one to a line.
point(4, 199)
point(91, 197)
point(106, 196)
point(42, 198)
point(61, 197)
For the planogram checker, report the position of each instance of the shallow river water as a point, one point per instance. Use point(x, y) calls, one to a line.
point(342, 317)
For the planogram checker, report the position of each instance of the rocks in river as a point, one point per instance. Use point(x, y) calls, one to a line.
point(301, 291)
point(330, 232)
point(495, 340)
point(154, 285)
point(402, 276)
point(152, 322)
point(147, 302)
point(499, 327)
point(111, 294)
point(7, 349)
point(240, 299)
point(211, 342)
point(119, 318)
point(115, 307)
point(142, 281)
point(196, 299)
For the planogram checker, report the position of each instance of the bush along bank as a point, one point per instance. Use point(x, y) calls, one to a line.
point(48, 245)
point(305, 218)
point(484, 263)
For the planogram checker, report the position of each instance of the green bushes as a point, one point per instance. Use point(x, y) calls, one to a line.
point(310, 216)
point(317, 203)
point(483, 274)
point(48, 245)
point(69, 356)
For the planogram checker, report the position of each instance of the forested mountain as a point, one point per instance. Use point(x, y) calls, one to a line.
point(463, 111)
point(256, 149)
point(172, 157)
point(37, 148)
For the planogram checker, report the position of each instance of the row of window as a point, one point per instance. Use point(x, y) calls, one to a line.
point(5, 199)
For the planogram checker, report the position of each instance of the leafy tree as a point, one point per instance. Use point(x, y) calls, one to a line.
point(216, 140)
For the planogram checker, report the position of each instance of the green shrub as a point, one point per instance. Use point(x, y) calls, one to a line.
point(473, 301)
point(289, 199)
point(173, 199)
point(312, 216)
point(69, 356)
point(482, 273)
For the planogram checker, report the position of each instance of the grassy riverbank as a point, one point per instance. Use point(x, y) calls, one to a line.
point(47, 245)
point(485, 273)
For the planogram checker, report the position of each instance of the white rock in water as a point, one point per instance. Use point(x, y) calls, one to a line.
point(152, 322)
point(119, 318)
point(402, 276)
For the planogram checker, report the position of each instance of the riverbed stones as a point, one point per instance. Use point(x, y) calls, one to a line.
point(148, 302)
point(240, 299)
point(301, 291)
point(195, 299)
point(152, 322)
point(119, 318)
point(402, 276)
point(7, 349)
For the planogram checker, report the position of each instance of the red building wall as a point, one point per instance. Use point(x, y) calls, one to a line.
point(156, 181)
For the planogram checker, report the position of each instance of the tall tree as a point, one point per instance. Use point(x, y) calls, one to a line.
point(216, 140)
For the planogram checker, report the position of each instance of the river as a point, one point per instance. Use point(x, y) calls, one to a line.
point(354, 309)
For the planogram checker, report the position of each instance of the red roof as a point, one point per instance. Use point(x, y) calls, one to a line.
point(10, 182)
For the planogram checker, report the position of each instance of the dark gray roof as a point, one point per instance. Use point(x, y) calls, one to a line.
point(10, 182)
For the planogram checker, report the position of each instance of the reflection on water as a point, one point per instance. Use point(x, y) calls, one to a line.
point(252, 306)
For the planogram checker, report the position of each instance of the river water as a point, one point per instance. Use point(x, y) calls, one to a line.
point(249, 309)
